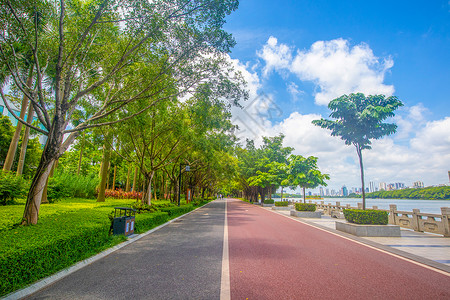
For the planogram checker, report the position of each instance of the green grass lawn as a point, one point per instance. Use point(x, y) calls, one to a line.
point(68, 231)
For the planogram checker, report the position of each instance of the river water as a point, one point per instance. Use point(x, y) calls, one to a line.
point(426, 206)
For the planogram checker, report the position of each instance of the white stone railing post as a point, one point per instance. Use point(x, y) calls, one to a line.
point(446, 220)
point(359, 205)
point(392, 214)
point(415, 220)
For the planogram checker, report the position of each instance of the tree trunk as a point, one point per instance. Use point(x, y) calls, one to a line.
point(15, 139)
point(148, 195)
point(104, 172)
point(81, 154)
point(127, 186)
point(135, 179)
point(109, 171)
point(114, 178)
point(44, 193)
point(26, 135)
point(304, 195)
point(52, 150)
point(359, 151)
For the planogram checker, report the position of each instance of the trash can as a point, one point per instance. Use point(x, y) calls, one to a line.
point(123, 222)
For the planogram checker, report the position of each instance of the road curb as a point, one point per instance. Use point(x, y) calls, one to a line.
point(45, 282)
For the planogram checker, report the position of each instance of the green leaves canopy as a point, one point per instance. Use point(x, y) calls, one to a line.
point(360, 119)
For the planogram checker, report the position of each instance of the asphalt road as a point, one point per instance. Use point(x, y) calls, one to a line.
point(275, 257)
point(182, 260)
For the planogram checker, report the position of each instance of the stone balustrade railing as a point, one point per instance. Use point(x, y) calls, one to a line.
point(416, 220)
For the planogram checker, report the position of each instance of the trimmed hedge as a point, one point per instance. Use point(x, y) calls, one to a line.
point(269, 201)
point(64, 235)
point(41, 250)
point(366, 217)
point(282, 203)
point(305, 206)
point(145, 222)
point(176, 211)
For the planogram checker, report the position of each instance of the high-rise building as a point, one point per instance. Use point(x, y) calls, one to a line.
point(383, 186)
point(321, 193)
point(418, 184)
point(399, 185)
point(327, 192)
point(371, 187)
point(344, 191)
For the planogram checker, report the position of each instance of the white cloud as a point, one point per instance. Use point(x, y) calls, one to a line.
point(334, 66)
point(407, 125)
point(276, 57)
point(294, 91)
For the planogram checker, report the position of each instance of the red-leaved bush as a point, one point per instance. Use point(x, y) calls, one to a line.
point(120, 194)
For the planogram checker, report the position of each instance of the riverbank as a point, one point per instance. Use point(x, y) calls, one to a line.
point(428, 193)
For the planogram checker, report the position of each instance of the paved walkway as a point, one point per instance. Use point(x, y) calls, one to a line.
point(277, 257)
point(230, 249)
point(423, 246)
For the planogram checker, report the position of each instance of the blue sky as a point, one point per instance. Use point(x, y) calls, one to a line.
point(299, 55)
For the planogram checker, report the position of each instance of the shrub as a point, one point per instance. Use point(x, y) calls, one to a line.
point(143, 207)
point(49, 247)
point(120, 194)
point(70, 185)
point(145, 222)
point(368, 216)
point(305, 207)
point(269, 201)
point(11, 187)
point(175, 211)
point(282, 203)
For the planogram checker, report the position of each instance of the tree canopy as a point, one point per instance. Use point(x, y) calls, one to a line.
point(359, 119)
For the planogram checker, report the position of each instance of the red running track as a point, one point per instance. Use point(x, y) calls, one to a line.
point(274, 257)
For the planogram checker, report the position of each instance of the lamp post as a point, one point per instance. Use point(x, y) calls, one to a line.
point(187, 169)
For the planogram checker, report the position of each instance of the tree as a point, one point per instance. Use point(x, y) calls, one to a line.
point(95, 54)
point(304, 172)
point(360, 119)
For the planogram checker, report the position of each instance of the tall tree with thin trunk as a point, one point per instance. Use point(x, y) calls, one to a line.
point(359, 119)
point(15, 140)
point(26, 136)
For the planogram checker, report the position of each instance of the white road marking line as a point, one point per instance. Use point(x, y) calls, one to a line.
point(225, 280)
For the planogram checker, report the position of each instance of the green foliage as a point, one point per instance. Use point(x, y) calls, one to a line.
point(368, 216)
point(305, 206)
point(269, 201)
point(6, 133)
point(72, 186)
point(175, 211)
point(33, 153)
point(143, 207)
point(428, 193)
point(360, 119)
point(11, 187)
point(145, 222)
point(282, 203)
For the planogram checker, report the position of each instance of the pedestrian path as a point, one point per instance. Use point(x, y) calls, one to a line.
point(425, 245)
point(273, 256)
